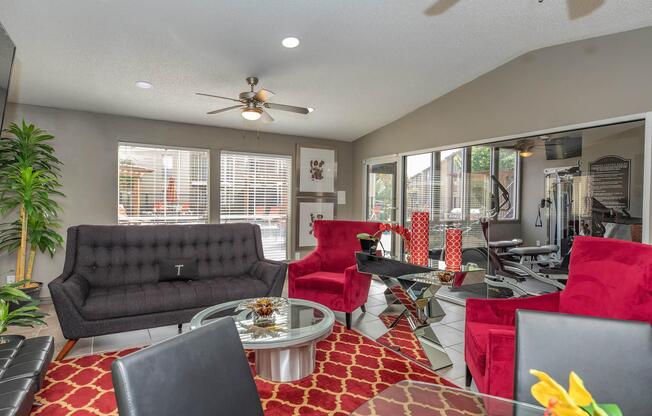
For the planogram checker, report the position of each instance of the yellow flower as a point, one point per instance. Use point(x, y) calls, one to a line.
point(547, 389)
point(577, 391)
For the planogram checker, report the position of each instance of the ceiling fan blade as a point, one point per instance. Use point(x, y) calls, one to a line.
point(266, 118)
point(263, 95)
point(283, 107)
point(221, 110)
point(216, 96)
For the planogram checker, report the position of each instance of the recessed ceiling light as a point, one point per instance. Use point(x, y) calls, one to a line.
point(290, 42)
point(144, 85)
point(310, 109)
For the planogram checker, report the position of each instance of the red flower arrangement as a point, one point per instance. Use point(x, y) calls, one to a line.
point(405, 233)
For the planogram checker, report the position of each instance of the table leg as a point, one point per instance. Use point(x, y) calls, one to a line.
point(286, 364)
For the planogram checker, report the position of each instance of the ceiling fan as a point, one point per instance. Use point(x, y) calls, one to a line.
point(576, 9)
point(253, 103)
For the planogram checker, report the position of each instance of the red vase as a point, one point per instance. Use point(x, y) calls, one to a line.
point(420, 242)
point(453, 249)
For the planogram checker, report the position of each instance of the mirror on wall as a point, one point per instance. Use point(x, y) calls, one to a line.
point(522, 202)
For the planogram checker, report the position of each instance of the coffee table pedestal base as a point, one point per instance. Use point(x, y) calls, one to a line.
point(286, 364)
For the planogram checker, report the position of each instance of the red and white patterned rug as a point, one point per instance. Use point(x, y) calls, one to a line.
point(350, 370)
point(401, 339)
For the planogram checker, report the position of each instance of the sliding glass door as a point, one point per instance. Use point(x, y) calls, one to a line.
point(381, 200)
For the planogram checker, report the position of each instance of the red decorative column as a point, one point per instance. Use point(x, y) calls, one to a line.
point(420, 238)
point(453, 249)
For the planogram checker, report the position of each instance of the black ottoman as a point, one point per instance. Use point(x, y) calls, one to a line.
point(17, 397)
point(26, 358)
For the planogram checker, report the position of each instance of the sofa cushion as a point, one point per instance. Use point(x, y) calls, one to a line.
point(184, 268)
point(140, 299)
point(476, 340)
point(321, 281)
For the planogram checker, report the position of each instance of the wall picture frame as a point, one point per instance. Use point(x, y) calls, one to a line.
point(316, 171)
point(307, 212)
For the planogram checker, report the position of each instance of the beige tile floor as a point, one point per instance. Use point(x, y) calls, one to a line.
point(450, 332)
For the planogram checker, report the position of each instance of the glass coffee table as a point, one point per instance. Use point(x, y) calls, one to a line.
point(284, 349)
point(414, 398)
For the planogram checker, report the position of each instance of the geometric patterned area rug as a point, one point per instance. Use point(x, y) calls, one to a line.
point(401, 339)
point(350, 370)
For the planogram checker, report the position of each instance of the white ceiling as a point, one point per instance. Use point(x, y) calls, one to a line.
point(361, 64)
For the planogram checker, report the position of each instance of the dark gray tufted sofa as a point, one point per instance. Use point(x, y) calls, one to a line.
point(110, 280)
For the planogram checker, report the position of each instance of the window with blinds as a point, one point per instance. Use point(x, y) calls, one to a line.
point(161, 185)
point(455, 187)
point(256, 188)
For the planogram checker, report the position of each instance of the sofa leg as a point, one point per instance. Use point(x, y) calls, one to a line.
point(180, 328)
point(363, 308)
point(66, 349)
point(469, 377)
point(348, 320)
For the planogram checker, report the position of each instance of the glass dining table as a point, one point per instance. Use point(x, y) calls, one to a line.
point(414, 398)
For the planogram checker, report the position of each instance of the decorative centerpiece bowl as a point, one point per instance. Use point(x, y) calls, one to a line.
point(264, 309)
point(445, 277)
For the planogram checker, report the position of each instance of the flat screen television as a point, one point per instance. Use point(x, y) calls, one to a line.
point(7, 51)
point(564, 147)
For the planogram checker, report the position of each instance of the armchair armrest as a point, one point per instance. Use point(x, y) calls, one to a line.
point(500, 362)
point(309, 264)
point(503, 311)
point(356, 287)
point(272, 273)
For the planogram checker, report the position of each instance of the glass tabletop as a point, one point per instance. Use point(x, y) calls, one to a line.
point(297, 321)
point(412, 398)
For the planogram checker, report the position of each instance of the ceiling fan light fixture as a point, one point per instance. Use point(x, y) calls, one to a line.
point(310, 109)
point(525, 153)
point(290, 42)
point(251, 113)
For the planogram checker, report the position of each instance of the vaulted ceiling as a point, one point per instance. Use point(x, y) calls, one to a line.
point(361, 64)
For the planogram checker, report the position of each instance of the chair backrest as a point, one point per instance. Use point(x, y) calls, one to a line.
point(337, 242)
point(116, 255)
point(201, 373)
point(614, 358)
point(609, 278)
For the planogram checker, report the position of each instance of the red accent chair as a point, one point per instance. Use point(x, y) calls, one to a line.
point(608, 279)
point(329, 274)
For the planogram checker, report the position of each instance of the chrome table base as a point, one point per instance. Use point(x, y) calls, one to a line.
point(286, 364)
point(421, 310)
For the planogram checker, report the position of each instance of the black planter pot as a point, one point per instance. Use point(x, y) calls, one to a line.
point(32, 292)
point(368, 246)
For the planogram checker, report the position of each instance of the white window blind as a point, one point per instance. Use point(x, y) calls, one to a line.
point(160, 185)
point(256, 188)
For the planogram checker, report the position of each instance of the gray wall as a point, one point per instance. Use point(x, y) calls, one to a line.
point(567, 84)
point(87, 144)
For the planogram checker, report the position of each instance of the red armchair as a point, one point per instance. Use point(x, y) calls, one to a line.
point(329, 275)
point(608, 278)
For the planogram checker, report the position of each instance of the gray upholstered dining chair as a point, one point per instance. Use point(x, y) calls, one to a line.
point(613, 357)
point(200, 373)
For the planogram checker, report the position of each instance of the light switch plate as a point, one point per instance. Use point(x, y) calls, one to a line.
point(341, 197)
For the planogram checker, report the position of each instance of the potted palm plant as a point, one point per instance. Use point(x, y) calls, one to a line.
point(29, 179)
point(25, 315)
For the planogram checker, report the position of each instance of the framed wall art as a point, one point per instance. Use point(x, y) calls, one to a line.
point(316, 170)
point(308, 211)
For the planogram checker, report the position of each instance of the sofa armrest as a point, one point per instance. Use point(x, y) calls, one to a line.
point(503, 311)
point(69, 294)
point(272, 273)
point(356, 287)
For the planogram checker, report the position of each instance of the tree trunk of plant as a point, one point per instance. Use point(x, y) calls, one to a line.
point(20, 262)
point(30, 262)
